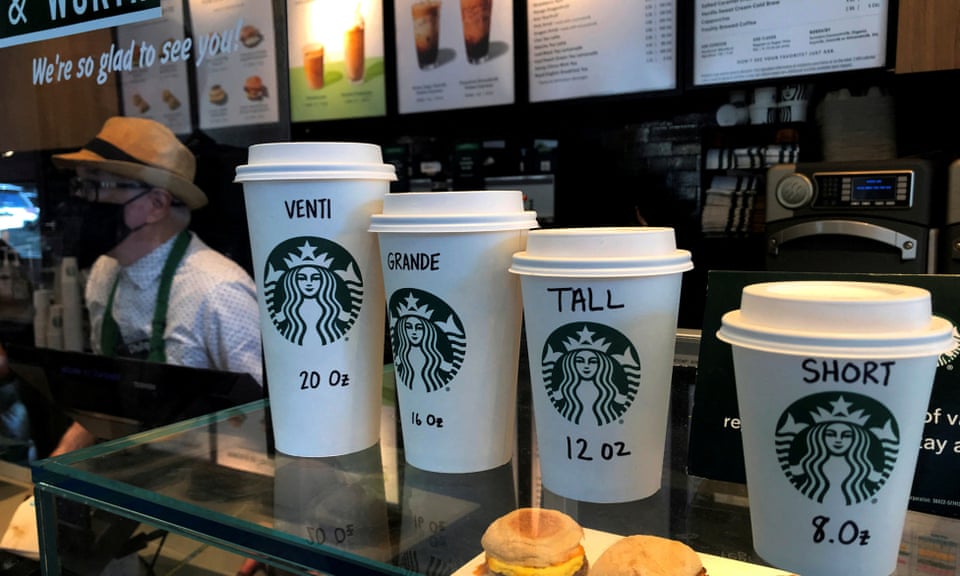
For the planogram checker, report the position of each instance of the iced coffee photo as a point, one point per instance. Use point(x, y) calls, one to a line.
point(313, 65)
point(426, 32)
point(476, 28)
point(353, 54)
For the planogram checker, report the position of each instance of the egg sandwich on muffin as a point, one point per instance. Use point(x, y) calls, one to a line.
point(534, 542)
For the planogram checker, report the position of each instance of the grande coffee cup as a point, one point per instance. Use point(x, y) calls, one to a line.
point(455, 320)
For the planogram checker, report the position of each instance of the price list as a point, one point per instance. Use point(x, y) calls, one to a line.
point(659, 31)
point(580, 48)
point(738, 40)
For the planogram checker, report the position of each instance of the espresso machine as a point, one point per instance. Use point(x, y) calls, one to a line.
point(870, 217)
point(950, 235)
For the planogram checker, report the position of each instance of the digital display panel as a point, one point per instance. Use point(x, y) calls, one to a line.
point(871, 188)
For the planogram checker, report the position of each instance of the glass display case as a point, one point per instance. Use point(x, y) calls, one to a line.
point(217, 480)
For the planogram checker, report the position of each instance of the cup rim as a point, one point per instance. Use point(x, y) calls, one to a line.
point(676, 262)
point(936, 339)
point(315, 171)
point(482, 222)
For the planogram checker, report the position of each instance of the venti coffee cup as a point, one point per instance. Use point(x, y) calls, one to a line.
point(320, 290)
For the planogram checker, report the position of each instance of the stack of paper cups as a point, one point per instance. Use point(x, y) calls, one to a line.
point(71, 300)
point(42, 299)
point(55, 327)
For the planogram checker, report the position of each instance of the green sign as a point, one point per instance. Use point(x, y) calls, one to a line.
point(30, 21)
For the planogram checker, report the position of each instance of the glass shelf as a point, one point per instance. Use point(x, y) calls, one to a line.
point(217, 480)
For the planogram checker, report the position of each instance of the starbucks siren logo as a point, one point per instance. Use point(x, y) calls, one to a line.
point(838, 444)
point(312, 289)
point(947, 358)
point(427, 338)
point(590, 365)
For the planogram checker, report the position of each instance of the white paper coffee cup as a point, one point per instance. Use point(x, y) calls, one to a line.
point(600, 307)
point(455, 320)
point(833, 383)
point(320, 290)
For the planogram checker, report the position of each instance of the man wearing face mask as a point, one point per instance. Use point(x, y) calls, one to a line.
point(156, 292)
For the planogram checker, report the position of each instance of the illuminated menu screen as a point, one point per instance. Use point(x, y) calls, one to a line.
point(336, 59)
point(581, 48)
point(157, 87)
point(234, 50)
point(738, 40)
point(454, 54)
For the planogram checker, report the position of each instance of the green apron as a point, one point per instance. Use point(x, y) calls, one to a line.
point(110, 332)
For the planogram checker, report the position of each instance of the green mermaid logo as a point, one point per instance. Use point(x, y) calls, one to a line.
point(427, 338)
point(586, 364)
point(313, 290)
point(841, 446)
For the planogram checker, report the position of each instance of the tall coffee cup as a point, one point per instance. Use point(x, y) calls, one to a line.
point(833, 381)
point(600, 308)
point(454, 315)
point(320, 290)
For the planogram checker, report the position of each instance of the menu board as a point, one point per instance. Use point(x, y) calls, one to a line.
point(157, 86)
point(336, 59)
point(234, 50)
point(737, 40)
point(584, 48)
point(454, 54)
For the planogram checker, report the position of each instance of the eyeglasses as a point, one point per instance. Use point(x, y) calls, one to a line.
point(89, 190)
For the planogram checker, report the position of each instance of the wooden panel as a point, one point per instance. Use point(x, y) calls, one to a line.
point(928, 35)
point(63, 114)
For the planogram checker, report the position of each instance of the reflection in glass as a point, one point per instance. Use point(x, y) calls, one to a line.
point(443, 514)
point(336, 502)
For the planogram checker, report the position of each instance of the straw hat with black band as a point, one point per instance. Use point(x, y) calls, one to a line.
point(143, 150)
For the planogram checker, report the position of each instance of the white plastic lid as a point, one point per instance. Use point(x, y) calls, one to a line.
point(838, 319)
point(601, 253)
point(456, 211)
point(279, 161)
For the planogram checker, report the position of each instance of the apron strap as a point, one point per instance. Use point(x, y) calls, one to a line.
point(110, 331)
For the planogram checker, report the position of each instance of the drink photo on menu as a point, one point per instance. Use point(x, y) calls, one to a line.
point(426, 35)
point(475, 15)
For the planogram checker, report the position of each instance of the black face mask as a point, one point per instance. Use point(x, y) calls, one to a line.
point(91, 229)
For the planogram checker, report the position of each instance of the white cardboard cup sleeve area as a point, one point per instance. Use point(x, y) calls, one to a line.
point(833, 382)
point(455, 321)
point(600, 308)
point(320, 290)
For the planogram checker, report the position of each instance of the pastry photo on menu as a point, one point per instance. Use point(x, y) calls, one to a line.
point(140, 103)
point(170, 100)
point(250, 36)
point(218, 95)
point(254, 88)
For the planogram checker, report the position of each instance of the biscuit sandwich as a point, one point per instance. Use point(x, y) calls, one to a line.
point(648, 556)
